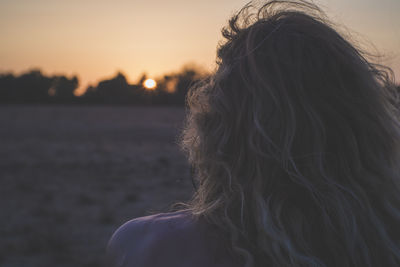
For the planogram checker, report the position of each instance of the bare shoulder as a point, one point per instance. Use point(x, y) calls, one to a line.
point(152, 227)
point(165, 239)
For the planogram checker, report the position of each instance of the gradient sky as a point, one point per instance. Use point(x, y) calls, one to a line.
point(96, 38)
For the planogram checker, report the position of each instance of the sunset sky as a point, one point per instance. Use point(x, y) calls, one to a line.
point(96, 38)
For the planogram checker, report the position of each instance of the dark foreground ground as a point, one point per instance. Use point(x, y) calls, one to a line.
point(69, 176)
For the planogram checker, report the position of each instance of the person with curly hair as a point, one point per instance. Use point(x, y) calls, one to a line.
point(294, 142)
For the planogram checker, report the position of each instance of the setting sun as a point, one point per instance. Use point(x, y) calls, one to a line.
point(150, 84)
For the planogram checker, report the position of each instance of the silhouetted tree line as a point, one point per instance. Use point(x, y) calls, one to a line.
point(35, 87)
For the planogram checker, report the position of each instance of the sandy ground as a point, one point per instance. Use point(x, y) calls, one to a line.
point(69, 176)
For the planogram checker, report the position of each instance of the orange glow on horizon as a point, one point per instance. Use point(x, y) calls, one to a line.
point(150, 84)
point(106, 37)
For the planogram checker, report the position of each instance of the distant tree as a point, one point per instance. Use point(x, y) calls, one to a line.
point(143, 77)
point(34, 87)
point(113, 91)
point(174, 87)
point(62, 89)
point(6, 87)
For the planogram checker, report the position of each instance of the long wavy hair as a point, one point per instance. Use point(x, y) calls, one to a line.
point(294, 140)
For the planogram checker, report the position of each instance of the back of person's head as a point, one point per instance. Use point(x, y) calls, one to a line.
point(295, 143)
